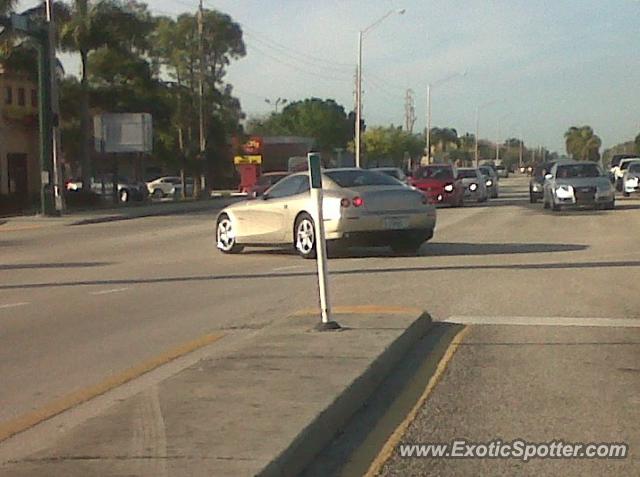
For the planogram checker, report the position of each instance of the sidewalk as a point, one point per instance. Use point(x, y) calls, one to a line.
point(128, 212)
point(265, 407)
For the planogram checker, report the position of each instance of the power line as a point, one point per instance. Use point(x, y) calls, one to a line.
point(296, 67)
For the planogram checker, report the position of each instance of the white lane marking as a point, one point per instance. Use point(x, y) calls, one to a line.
point(106, 292)
point(13, 305)
point(544, 321)
point(292, 267)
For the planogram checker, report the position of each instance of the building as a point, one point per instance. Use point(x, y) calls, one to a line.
point(19, 162)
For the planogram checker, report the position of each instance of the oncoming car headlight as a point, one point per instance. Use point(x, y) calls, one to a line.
point(448, 188)
point(473, 186)
point(564, 192)
point(489, 182)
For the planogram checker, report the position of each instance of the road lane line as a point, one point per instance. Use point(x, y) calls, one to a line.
point(544, 321)
point(387, 450)
point(292, 267)
point(18, 228)
point(13, 305)
point(106, 292)
point(30, 419)
point(363, 310)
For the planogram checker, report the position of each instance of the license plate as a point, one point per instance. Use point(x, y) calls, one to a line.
point(396, 223)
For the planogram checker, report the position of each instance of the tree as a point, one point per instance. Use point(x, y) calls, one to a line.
point(90, 26)
point(324, 120)
point(637, 143)
point(443, 139)
point(389, 145)
point(582, 143)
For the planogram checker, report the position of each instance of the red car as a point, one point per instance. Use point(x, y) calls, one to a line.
point(440, 184)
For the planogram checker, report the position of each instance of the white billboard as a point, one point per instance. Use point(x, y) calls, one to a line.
point(123, 132)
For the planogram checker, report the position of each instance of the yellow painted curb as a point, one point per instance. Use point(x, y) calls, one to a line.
point(394, 439)
point(25, 421)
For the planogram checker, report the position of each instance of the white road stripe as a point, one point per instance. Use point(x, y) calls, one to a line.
point(13, 305)
point(292, 267)
point(543, 321)
point(106, 292)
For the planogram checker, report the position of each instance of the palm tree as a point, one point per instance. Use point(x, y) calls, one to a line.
point(582, 143)
point(443, 138)
point(92, 25)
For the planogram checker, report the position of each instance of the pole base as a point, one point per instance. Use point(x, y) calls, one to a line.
point(328, 326)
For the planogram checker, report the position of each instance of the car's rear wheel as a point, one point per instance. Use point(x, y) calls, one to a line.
point(626, 194)
point(304, 236)
point(158, 194)
point(226, 236)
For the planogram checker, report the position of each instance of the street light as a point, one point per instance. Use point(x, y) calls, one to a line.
point(276, 103)
point(359, 77)
point(430, 86)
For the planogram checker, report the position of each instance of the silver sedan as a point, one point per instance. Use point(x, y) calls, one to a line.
point(578, 183)
point(360, 207)
point(474, 182)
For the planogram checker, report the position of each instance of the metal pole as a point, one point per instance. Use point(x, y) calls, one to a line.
point(315, 179)
point(46, 140)
point(497, 141)
point(358, 99)
point(520, 155)
point(429, 123)
point(477, 133)
point(203, 144)
point(55, 109)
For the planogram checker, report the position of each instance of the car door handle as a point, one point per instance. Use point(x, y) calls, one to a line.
point(286, 206)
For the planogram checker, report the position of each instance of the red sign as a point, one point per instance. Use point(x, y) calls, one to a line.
point(253, 146)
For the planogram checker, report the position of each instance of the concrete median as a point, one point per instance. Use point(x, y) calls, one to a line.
point(265, 406)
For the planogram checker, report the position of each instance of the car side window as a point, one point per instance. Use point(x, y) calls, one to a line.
point(287, 187)
point(304, 185)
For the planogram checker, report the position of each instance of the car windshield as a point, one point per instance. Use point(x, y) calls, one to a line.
point(270, 179)
point(578, 171)
point(434, 172)
point(467, 174)
point(391, 172)
point(486, 171)
point(635, 167)
point(358, 178)
point(625, 165)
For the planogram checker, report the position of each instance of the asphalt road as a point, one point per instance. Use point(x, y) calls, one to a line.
point(78, 304)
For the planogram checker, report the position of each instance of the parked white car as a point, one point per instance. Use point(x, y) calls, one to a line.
point(631, 179)
point(163, 186)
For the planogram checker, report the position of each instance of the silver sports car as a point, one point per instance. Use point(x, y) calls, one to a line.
point(360, 207)
point(574, 183)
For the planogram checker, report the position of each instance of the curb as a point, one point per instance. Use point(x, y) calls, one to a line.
point(213, 204)
point(319, 433)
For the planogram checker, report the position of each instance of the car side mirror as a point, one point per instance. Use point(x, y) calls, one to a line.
point(548, 176)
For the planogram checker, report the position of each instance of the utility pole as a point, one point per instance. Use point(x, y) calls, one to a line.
point(521, 150)
point(477, 133)
point(203, 144)
point(55, 110)
point(409, 111)
point(358, 99)
point(429, 123)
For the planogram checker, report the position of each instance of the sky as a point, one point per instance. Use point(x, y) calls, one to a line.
point(533, 67)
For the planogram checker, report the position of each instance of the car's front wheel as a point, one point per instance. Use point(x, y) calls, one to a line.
point(226, 236)
point(158, 194)
point(304, 236)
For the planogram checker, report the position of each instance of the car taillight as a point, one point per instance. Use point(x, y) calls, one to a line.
point(345, 203)
point(357, 201)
